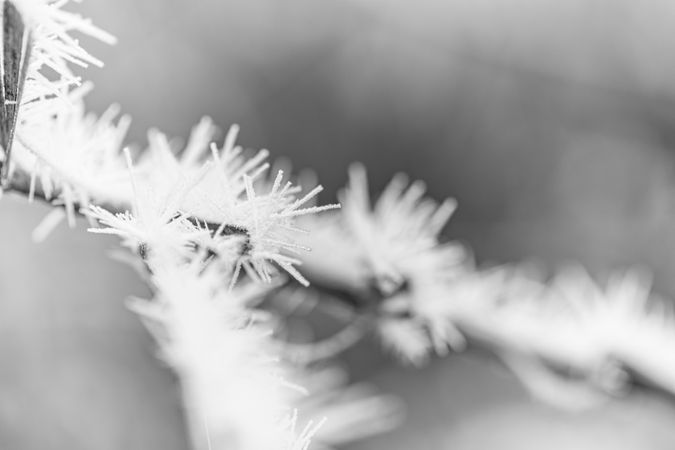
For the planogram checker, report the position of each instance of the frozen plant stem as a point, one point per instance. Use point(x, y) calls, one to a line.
point(23, 185)
point(479, 332)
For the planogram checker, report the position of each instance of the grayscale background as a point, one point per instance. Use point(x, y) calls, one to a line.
point(551, 121)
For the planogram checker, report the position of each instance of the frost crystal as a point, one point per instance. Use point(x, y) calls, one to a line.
point(53, 46)
point(395, 250)
point(70, 152)
point(216, 208)
point(248, 218)
point(76, 156)
point(232, 383)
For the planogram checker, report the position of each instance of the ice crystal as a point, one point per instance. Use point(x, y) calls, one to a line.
point(215, 207)
point(406, 339)
point(352, 411)
point(393, 248)
point(233, 384)
point(233, 202)
point(155, 225)
point(49, 49)
point(75, 156)
point(599, 335)
point(54, 48)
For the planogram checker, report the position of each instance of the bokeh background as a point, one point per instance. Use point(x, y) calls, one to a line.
point(552, 122)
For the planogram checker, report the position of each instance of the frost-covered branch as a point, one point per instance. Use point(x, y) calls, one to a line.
point(212, 223)
point(568, 334)
point(197, 217)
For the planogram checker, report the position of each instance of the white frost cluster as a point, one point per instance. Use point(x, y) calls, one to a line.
point(75, 157)
point(54, 47)
point(392, 251)
point(232, 382)
point(573, 341)
point(215, 204)
point(69, 155)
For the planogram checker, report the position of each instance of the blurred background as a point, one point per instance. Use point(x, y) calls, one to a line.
point(551, 122)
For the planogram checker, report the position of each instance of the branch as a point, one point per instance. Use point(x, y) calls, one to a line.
point(633, 369)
